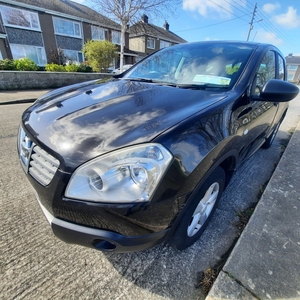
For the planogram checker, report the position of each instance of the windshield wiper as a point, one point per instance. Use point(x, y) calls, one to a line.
point(183, 86)
point(153, 81)
point(140, 79)
point(202, 86)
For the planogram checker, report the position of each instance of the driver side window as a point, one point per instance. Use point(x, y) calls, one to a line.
point(265, 72)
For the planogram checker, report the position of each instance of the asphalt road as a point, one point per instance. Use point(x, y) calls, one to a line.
point(36, 265)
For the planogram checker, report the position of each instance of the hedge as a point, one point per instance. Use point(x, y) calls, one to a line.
point(26, 64)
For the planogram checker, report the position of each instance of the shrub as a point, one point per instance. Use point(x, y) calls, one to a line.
point(85, 68)
point(55, 68)
point(72, 68)
point(69, 68)
point(26, 64)
point(100, 54)
point(7, 64)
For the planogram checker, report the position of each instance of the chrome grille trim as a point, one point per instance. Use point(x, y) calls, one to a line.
point(25, 147)
point(43, 166)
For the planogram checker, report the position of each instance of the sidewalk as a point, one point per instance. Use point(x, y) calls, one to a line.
point(7, 97)
point(265, 262)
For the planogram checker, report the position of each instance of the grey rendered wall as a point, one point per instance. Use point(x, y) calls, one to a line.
point(13, 80)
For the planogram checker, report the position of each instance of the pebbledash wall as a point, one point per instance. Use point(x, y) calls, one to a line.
point(23, 80)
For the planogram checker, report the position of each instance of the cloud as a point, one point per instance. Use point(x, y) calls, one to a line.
point(79, 1)
point(208, 8)
point(268, 37)
point(288, 20)
point(271, 7)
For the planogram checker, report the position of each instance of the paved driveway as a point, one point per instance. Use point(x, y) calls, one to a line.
point(36, 265)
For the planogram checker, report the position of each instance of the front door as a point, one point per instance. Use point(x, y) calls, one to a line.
point(262, 113)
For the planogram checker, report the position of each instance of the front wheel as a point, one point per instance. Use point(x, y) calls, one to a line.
point(200, 211)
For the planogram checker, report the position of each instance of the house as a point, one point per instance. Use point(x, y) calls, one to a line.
point(146, 38)
point(44, 29)
point(293, 68)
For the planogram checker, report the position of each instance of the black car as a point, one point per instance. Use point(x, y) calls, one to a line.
point(144, 157)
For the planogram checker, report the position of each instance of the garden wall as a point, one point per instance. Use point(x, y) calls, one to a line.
point(24, 80)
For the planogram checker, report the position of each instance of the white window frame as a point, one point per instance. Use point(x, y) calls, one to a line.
point(116, 37)
point(149, 46)
point(97, 32)
point(67, 34)
point(25, 13)
point(77, 55)
point(164, 44)
point(40, 53)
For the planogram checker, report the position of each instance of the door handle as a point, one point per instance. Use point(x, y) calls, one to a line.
point(244, 112)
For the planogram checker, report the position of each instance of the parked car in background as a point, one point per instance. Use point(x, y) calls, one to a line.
point(144, 157)
point(125, 68)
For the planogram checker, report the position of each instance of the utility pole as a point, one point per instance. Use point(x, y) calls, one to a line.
point(252, 19)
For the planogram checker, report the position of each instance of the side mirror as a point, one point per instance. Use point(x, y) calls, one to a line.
point(278, 91)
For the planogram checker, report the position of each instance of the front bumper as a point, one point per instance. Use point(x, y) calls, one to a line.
point(99, 239)
point(104, 240)
point(106, 227)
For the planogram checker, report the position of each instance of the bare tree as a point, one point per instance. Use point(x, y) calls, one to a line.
point(126, 12)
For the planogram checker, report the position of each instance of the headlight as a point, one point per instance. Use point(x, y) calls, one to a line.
point(123, 176)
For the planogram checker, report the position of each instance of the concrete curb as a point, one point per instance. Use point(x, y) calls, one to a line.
point(18, 101)
point(265, 262)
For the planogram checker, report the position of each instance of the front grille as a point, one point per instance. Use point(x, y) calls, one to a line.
point(37, 162)
point(43, 166)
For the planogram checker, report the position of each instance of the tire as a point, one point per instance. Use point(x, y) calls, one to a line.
point(200, 210)
point(269, 141)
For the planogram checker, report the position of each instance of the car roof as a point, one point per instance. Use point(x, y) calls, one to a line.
point(234, 43)
point(229, 42)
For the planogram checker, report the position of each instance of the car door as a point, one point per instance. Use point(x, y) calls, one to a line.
point(262, 113)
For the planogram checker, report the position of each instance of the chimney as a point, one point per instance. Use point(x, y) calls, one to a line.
point(290, 54)
point(166, 26)
point(145, 18)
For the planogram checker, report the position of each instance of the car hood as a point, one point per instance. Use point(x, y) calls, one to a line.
point(86, 120)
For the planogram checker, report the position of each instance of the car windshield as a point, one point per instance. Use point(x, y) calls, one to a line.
point(194, 65)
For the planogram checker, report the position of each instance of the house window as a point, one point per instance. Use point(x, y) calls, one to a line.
point(98, 33)
point(66, 27)
point(164, 44)
point(151, 43)
point(20, 18)
point(1, 57)
point(116, 37)
point(292, 67)
point(37, 54)
point(73, 56)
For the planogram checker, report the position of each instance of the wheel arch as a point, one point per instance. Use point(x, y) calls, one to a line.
point(227, 162)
